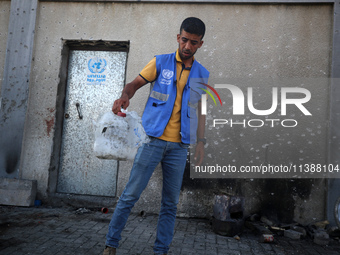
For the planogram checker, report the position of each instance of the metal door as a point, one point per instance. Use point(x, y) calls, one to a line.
point(95, 79)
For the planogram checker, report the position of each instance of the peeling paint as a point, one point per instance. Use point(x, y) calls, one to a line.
point(49, 125)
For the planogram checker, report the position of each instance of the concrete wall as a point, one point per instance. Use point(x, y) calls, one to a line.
point(4, 20)
point(241, 41)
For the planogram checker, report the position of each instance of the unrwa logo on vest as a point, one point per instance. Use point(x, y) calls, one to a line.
point(167, 74)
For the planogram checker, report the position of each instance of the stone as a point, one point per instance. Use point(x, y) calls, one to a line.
point(300, 229)
point(17, 192)
point(292, 234)
point(321, 237)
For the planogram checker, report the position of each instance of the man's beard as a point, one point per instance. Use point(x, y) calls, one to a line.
point(184, 57)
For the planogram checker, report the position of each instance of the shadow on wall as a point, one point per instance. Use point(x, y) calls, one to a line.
point(275, 198)
point(9, 157)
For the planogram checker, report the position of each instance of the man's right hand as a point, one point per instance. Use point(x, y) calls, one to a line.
point(122, 102)
point(128, 92)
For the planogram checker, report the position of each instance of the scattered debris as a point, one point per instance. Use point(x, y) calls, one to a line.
point(82, 211)
point(254, 217)
point(228, 215)
point(237, 238)
point(334, 232)
point(292, 234)
point(104, 210)
point(319, 232)
point(266, 238)
point(258, 227)
point(266, 221)
point(300, 229)
point(289, 226)
point(321, 224)
point(278, 229)
point(142, 214)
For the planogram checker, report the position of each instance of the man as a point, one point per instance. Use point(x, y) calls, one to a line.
point(169, 118)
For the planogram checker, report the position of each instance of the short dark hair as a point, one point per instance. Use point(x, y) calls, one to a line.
point(193, 25)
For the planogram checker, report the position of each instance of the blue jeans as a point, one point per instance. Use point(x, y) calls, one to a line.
point(173, 159)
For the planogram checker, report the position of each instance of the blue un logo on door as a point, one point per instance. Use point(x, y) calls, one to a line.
point(97, 69)
point(97, 65)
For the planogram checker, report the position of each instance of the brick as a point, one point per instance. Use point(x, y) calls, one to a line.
point(189, 240)
point(199, 246)
point(49, 237)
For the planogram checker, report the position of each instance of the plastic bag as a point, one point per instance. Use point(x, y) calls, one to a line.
point(118, 137)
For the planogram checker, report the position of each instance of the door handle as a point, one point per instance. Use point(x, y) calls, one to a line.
point(79, 111)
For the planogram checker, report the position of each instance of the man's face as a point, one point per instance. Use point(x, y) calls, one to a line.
point(188, 44)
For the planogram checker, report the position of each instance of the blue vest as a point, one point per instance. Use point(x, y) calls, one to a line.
point(162, 98)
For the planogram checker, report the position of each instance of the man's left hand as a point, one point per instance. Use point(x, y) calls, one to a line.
point(199, 153)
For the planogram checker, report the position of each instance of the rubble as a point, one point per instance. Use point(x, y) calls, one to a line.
point(268, 222)
point(317, 231)
point(321, 238)
point(267, 229)
point(302, 230)
point(236, 237)
point(321, 224)
point(82, 211)
point(228, 215)
point(292, 234)
point(266, 238)
point(334, 232)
